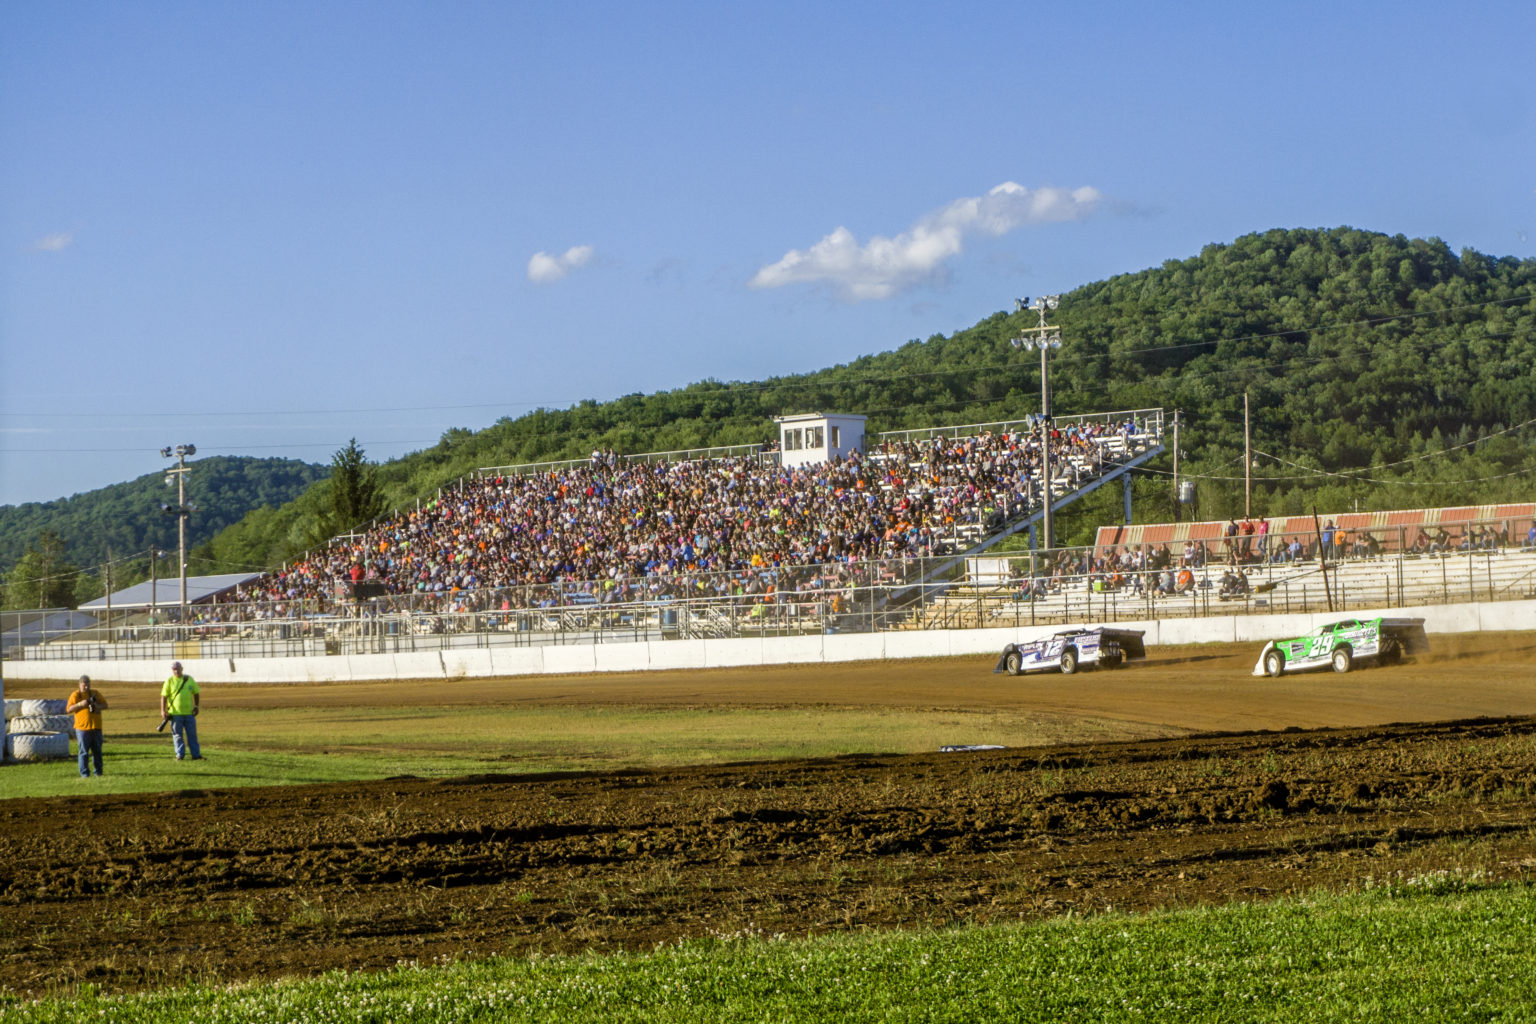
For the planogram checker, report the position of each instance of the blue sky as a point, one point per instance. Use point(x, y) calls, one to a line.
point(268, 228)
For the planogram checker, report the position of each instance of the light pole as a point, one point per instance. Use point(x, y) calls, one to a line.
point(180, 510)
point(1043, 338)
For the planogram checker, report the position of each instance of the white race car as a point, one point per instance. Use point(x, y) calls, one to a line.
point(1070, 649)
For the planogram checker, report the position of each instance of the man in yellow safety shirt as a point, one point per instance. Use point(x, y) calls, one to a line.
point(179, 701)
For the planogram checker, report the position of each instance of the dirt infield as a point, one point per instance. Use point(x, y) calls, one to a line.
point(128, 892)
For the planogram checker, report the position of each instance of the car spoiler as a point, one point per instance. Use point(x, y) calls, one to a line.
point(1407, 632)
point(1130, 641)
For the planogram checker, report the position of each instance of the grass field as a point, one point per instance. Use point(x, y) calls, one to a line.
point(1441, 948)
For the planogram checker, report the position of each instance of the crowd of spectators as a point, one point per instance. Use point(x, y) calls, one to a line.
point(612, 530)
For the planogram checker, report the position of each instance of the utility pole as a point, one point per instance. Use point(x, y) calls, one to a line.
point(180, 510)
point(1247, 462)
point(1045, 339)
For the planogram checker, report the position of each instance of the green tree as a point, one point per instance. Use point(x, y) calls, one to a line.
point(43, 577)
point(355, 498)
point(354, 488)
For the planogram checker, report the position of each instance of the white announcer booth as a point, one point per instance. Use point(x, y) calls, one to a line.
point(813, 437)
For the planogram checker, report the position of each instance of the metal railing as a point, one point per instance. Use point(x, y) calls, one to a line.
point(1144, 421)
point(733, 451)
point(1022, 589)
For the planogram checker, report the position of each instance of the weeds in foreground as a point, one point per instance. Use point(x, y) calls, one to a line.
point(1392, 950)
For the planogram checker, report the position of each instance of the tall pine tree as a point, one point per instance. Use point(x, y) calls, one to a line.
point(354, 494)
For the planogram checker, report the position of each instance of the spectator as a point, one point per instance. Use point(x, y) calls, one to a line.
point(87, 704)
point(1233, 584)
point(180, 701)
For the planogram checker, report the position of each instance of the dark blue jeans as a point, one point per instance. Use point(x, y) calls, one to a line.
point(90, 747)
point(184, 736)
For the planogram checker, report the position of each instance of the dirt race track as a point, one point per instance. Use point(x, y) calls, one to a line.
point(1266, 787)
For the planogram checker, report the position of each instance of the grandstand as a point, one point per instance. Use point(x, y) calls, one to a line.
point(716, 543)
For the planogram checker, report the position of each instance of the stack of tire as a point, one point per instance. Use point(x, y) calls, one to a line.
point(37, 730)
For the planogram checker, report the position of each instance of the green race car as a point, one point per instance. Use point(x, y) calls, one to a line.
point(1341, 644)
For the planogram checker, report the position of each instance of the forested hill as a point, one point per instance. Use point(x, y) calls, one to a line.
point(125, 518)
point(1378, 357)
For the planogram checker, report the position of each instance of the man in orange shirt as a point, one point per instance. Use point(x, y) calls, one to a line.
point(87, 705)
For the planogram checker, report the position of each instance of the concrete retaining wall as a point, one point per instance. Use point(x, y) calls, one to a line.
point(467, 663)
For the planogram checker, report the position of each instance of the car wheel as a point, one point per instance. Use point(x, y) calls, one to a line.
point(1013, 664)
point(1069, 661)
point(1391, 652)
point(1274, 664)
point(1114, 659)
point(1342, 659)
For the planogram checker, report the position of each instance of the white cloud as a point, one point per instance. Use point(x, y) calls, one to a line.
point(884, 266)
point(544, 268)
point(56, 242)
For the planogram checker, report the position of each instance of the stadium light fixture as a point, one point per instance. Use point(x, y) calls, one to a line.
point(181, 509)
